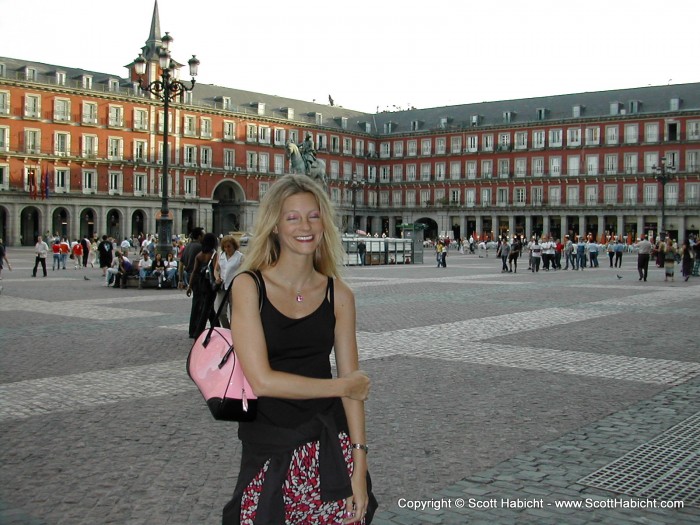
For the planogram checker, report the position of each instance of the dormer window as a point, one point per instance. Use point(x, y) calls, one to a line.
point(60, 78)
point(113, 85)
point(675, 104)
point(290, 113)
point(635, 106)
point(577, 110)
point(476, 120)
point(261, 108)
point(615, 108)
point(319, 119)
point(541, 113)
point(30, 74)
point(86, 81)
point(508, 116)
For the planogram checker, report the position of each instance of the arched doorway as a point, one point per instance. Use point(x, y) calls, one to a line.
point(114, 224)
point(59, 222)
point(431, 228)
point(226, 216)
point(4, 226)
point(87, 223)
point(30, 227)
point(138, 220)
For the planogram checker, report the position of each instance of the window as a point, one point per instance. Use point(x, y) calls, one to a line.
point(89, 181)
point(251, 133)
point(89, 146)
point(520, 167)
point(359, 148)
point(115, 148)
point(279, 164)
point(115, 182)
point(573, 164)
point(538, 139)
point(398, 149)
point(335, 144)
point(189, 126)
point(611, 164)
point(205, 128)
point(650, 194)
point(472, 143)
point(555, 138)
point(4, 177)
point(4, 103)
point(229, 159)
point(592, 136)
point(503, 168)
point(190, 156)
point(32, 141)
point(116, 116)
point(486, 196)
point(89, 113)
point(591, 164)
point(410, 172)
point(521, 140)
point(538, 166)
point(502, 197)
point(577, 111)
point(456, 145)
point(455, 170)
point(486, 169)
point(398, 173)
point(630, 194)
point(611, 135)
point(60, 78)
point(61, 180)
point(319, 119)
point(32, 106)
point(264, 135)
point(610, 194)
point(226, 103)
point(384, 150)
point(140, 120)
point(573, 137)
point(631, 133)
point(488, 142)
point(692, 193)
point(251, 161)
point(555, 166)
point(425, 170)
point(426, 147)
point(86, 81)
point(396, 197)
point(504, 142)
point(140, 151)
point(229, 130)
point(471, 169)
point(631, 163)
point(554, 195)
point(4, 138)
point(280, 136)
point(263, 162)
point(651, 132)
point(161, 121)
point(190, 187)
point(440, 145)
point(572, 196)
point(470, 197)
point(261, 108)
point(321, 142)
point(439, 171)
point(692, 161)
point(424, 198)
point(61, 110)
point(113, 85)
point(62, 144)
point(650, 160)
point(692, 129)
point(591, 195)
point(140, 187)
point(412, 148)
point(454, 197)
point(205, 156)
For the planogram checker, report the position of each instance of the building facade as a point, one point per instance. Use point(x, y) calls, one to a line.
point(81, 153)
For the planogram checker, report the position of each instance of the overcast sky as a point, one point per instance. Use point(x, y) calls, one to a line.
point(377, 54)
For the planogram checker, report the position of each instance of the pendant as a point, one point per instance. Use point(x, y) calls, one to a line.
point(300, 297)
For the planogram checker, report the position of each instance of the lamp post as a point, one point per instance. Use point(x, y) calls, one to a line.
point(664, 175)
point(355, 186)
point(166, 89)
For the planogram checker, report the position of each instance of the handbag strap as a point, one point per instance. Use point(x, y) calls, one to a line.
point(227, 296)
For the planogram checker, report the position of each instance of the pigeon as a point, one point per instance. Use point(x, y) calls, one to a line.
point(87, 278)
point(619, 276)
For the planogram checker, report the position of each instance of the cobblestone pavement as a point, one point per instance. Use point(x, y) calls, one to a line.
point(553, 397)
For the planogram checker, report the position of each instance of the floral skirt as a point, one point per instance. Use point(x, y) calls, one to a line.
point(669, 267)
point(302, 489)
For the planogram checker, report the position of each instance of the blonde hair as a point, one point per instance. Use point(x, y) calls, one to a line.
point(264, 249)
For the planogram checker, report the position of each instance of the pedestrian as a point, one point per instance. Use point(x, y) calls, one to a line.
point(592, 247)
point(536, 255)
point(227, 265)
point(618, 248)
point(105, 251)
point(188, 255)
point(644, 249)
point(3, 258)
point(610, 250)
point(93, 253)
point(686, 260)
point(56, 251)
point(200, 287)
point(580, 254)
point(504, 253)
point(669, 259)
point(439, 248)
point(515, 248)
point(569, 253)
point(77, 253)
point(362, 251)
point(85, 244)
point(65, 251)
point(307, 422)
point(41, 249)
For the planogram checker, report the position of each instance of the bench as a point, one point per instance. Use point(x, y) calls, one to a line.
point(132, 281)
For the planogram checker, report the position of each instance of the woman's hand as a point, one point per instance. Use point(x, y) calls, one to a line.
point(189, 292)
point(358, 385)
point(356, 505)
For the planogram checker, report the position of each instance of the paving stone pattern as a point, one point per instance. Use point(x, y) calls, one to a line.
point(497, 398)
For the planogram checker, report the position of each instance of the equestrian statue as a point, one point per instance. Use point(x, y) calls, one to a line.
point(303, 160)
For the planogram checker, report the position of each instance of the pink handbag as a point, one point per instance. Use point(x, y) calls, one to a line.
point(213, 366)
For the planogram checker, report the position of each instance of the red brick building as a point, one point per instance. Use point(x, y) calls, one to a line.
point(81, 153)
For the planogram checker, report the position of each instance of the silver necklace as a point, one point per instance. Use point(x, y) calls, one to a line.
point(299, 298)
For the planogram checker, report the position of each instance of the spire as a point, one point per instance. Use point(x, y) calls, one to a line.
point(150, 50)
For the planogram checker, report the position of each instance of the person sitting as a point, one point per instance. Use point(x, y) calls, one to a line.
point(125, 269)
point(113, 270)
point(159, 268)
point(171, 274)
point(145, 267)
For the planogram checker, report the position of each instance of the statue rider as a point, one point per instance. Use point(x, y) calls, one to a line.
point(308, 152)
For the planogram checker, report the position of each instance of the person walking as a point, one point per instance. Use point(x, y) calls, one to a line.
point(105, 251)
point(362, 251)
point(4, 259)
point(200, 287)
point(686, 260)
point(227, 265)
point(504, 253)
point(618, 249)
point(536, 255)
point(41, 249)
point(644, 248)
point(669, 259)
point(304, 458)
point(515, 248)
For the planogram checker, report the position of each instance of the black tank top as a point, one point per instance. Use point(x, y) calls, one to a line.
point(298, 346)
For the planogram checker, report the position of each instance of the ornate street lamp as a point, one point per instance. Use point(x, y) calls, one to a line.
point(664, 175)
point(167, 88)
point(355, 186)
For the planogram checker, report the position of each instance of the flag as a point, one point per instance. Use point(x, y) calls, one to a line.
point(31, 174)
point(41, 186)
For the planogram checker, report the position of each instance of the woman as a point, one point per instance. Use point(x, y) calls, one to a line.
point(669, 258)
point(686, 260)
point(92, 257)
point(227, 265)
point(515, 248)
point(204, 294)
point(171, 270)
point(307, 421)
point(159, 268)
point(536, 254)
